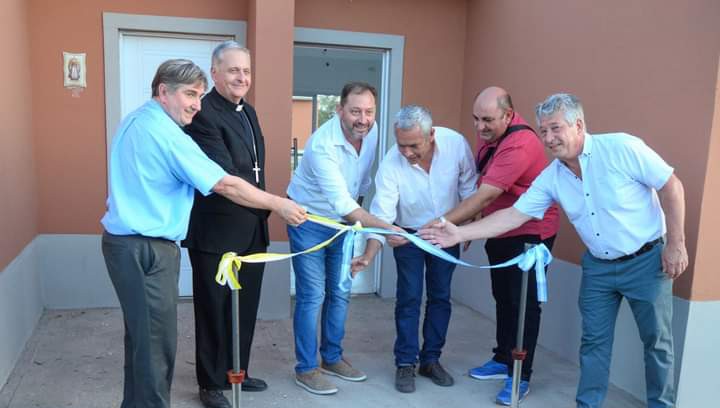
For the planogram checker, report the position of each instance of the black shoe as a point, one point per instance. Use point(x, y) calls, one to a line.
point(405, 379)
point(437, 374)
point(213, 399)
point(253, 385)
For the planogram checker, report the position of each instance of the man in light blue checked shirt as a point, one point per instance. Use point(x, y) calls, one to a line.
point(628, 207)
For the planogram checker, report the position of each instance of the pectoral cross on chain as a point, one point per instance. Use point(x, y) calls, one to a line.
point(256, 169)
point(246, 120)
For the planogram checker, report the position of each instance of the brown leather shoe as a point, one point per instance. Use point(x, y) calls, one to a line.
point(437, 374)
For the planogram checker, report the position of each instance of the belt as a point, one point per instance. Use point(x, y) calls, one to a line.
point(139, 236)
point(643, 249)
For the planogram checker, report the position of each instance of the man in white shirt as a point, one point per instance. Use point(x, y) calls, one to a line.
point(622, 197)
point(422, 177)
point(333, 174)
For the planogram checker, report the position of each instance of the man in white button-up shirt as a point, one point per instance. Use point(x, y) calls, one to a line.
point(422, 177)
point(333, 174)
point(622, 198)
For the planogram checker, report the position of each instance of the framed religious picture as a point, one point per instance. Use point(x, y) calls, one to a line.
point(74, 70)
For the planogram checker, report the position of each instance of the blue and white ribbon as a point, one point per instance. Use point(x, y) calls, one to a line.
point(537, 256)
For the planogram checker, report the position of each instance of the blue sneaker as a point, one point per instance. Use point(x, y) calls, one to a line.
point(491, 370)
point(504, 397)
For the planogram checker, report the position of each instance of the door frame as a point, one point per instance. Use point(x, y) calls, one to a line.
point(392, 73)
point(390, 99)
point(116, 24)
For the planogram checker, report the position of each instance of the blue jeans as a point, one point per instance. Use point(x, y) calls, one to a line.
point(411, 261)
point(317, 277)
point(649, 293)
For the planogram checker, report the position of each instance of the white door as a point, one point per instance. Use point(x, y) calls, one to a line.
point(140, 55)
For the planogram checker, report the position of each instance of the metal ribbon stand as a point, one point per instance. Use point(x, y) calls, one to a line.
point(519, 353)
point(236, 376)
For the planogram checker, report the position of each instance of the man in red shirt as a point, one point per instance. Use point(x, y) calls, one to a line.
point(508, 159)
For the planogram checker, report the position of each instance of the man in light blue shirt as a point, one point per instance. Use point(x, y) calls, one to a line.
point(622, 198)
point(333, 174)
point(154, 169)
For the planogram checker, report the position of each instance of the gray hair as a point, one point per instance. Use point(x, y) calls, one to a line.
point(412, 116)
point(568, 104)
point(176, 72)
point(226, 46)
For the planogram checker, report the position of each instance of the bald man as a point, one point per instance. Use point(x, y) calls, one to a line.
point(508, 159)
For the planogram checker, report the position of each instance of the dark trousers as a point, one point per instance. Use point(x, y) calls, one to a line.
point(213, 316)
point(506, 284)
point(144, 272)
point(413, 266)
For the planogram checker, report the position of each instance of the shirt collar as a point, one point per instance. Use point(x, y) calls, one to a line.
point(436, 150)
point(584, 155)
point(155, 105)
point(587, 145)
point(338, 137)
point(228, 105)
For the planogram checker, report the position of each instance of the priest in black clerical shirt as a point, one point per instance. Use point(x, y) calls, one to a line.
point(227, 130)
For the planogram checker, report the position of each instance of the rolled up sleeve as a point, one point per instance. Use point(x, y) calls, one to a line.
point(537, 199)
point(467, 182)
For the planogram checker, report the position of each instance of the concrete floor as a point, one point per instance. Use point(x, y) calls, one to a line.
point(74, 359)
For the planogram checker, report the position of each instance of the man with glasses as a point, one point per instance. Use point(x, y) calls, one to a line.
point(509, 157)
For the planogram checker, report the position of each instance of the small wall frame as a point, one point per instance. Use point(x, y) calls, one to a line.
point(74, 69)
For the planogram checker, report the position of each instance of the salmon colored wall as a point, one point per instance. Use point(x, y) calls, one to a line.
point(270, 37)
point(18, 189)
point(434, 43)
point(647, 67)
point(301, 122)
point(70, 132)
point(706, 280)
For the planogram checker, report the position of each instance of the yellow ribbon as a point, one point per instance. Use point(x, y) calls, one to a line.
point(230, 263)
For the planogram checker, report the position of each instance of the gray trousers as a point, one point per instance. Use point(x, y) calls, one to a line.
point(144, 272)
point(649, 293)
